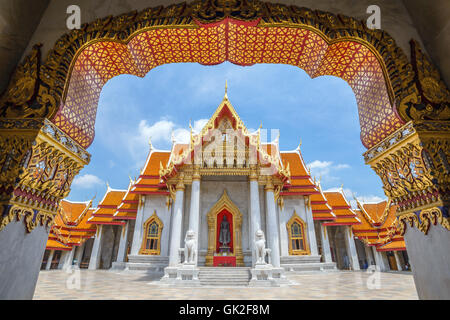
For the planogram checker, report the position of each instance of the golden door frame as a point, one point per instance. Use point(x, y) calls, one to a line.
point(225, 203)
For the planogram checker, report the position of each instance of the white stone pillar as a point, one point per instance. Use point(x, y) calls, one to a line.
point(122, 252)
point(79, 255)
point(398, 261)
point(69, 260)
point(255, 211)
point(380, 262)
point(62, 259)
point(94, 262)
point(326, 251)
point(138, 228)
point(273, 239)
point(351, 248)
point(48, 265)
point(177, 219)
point(369, 258)
point(284, 237)
point(194, 214)
point(310, 228)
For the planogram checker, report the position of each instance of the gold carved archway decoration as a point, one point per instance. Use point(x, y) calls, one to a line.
point(302, 238)
point(225, 203)
point(152, 236)
point(66, 86)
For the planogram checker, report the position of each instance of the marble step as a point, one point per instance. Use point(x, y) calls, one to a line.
point(224, 276)
point(303, 267)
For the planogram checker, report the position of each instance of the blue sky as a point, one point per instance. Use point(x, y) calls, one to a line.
point(320, 112)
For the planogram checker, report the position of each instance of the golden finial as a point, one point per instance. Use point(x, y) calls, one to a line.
point(226, 89)
point(260, 126)
point(150, 143)
point(299, 145)
point(107, 185)
point(131, 181)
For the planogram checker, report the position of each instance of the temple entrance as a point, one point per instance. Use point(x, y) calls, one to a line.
point(224, 234)
point(56, 100)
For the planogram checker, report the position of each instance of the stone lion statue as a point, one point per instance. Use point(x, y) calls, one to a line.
point(190, 247)
point(260, 247)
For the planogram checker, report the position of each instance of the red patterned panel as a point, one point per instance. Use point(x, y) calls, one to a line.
point(357, 65)
point(238, 42)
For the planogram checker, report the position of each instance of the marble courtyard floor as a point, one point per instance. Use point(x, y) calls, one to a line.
point(103, 284)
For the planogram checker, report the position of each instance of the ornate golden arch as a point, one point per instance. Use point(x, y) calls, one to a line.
point(296, 218)
point(40, 90)
point(225, 203)
point(154, 218)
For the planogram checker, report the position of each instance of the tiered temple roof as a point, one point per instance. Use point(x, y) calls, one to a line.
point(375, 224)
point(341, 208)
point(379, 226)
point(71, 226)
point(107, 207)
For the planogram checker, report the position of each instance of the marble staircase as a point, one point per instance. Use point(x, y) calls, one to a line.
point(303, 264)
point(224, 276)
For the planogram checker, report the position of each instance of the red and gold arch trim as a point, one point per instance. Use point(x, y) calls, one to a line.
point(242, 43)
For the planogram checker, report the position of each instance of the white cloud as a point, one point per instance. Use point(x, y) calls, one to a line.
point(87, 181)
point(160, 133)
point(325, 169)
point(349, 194)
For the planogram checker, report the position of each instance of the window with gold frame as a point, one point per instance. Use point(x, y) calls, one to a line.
point(151, 241)
point(297, 238)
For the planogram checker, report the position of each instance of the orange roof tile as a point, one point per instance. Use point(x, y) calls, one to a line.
point(56, 245)
point(341, 208)
point(70, 224)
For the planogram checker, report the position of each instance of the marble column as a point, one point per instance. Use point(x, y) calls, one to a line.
point(273, 239)
point(351, 249)
point(69, 260)
point(62, 259)
point(284, 237)
point(48, 265)
point(79, 255)
point(310, 228)
point(326, 251)
point(398, 261)
point(94, 262)
point(380, 262)
point(177, 219)
point(255, 211)
point(369, 257)
point(122, 252)
point(194, 214)
point(138, 227)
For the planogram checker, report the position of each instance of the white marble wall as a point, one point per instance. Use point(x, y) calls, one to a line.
point(150, 204)
point(211, 190)
point(296, 204)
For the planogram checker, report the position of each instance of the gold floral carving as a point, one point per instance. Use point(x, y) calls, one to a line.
point(413, 164)
point(36, 169)
point(430, 98)
point(31, 218)
point(423, 223)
